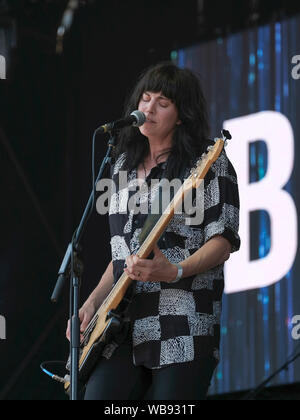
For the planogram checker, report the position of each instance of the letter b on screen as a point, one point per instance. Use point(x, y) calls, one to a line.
point(268, 194)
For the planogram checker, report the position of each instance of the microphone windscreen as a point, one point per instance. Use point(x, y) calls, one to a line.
point(140, 118)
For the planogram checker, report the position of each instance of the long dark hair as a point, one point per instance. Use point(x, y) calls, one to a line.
point(190, 138)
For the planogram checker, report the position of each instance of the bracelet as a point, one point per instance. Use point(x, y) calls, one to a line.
point(179, 274)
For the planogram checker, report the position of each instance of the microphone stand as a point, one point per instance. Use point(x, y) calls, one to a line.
point(255, 392)
point(72, 267)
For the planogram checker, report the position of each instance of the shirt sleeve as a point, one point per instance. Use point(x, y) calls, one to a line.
point(221, 203)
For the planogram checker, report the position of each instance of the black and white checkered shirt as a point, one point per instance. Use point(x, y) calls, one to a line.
point(176, 323)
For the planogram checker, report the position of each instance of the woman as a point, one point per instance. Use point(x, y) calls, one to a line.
point(172, 345)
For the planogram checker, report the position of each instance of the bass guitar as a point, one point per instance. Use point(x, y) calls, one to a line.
point(105, 322)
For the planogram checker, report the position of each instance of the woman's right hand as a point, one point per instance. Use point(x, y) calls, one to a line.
point(86, 313)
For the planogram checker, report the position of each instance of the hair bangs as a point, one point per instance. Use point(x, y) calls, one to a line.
point(162, 80)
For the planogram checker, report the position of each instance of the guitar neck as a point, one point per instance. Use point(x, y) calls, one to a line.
point(168, 213)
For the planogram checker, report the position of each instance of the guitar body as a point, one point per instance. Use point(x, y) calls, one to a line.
point(106, 323)
point(89, 355)
point(103, 328)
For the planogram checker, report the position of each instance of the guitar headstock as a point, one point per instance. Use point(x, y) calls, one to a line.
point(204, 163)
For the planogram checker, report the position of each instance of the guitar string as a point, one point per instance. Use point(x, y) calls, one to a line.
point(90, 327)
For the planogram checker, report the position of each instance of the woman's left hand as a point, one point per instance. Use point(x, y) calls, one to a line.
point(159, 269)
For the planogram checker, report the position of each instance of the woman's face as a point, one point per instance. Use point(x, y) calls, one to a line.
point(161, 116)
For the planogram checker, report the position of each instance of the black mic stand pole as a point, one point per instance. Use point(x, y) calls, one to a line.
point(72, 266)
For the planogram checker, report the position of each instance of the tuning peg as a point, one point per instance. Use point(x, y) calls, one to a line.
point(226, 135)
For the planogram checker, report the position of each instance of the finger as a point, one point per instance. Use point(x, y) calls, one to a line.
point(68, 331)
point(84, 323)
point(141, 263)
point(83, 326)
point(129, 262)
point(133, 276)
point(156, 250)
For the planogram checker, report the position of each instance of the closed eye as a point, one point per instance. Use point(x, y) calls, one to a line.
point(164, 105)
point(146, 98)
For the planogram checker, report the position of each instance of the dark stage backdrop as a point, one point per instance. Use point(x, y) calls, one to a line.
point(50, 106)
point(252, 84)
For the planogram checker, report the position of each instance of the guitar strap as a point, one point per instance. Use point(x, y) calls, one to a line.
point(158, 203)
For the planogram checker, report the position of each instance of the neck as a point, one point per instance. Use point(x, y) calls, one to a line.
point(156, 149)
point(152, 157)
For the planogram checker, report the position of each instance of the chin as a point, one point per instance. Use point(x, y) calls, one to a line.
point(145, 133)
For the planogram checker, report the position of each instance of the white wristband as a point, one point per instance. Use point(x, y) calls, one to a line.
point(179, 274)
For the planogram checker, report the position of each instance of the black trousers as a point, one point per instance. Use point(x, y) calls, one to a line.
point(118, 379)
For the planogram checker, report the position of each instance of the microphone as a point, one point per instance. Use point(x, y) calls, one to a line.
point(135, 119)
point(66, 24)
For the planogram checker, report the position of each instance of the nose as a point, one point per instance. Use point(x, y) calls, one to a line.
point(150, 107)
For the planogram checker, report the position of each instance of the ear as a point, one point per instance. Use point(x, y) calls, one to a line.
point(179, 122)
